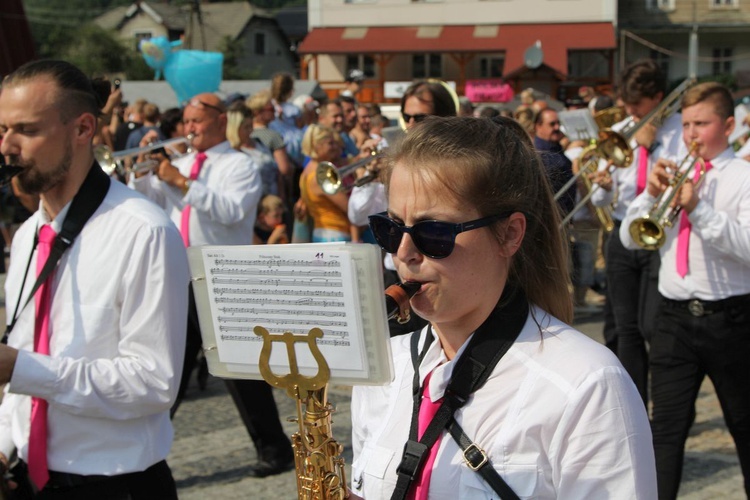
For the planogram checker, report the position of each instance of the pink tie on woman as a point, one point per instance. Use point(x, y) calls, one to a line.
point(683, 236)
point(185, 222)
point(427, 410)
point(640, 183)
point(37, 452)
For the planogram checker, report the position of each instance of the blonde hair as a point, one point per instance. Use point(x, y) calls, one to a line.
point(236, 114)
point(492, 165)
point(269, 203)
point(258, 101)
point(313, 135)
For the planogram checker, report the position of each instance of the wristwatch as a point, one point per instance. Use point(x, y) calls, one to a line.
point(186, 186)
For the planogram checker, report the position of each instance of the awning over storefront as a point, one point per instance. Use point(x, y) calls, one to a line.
point(556, 40)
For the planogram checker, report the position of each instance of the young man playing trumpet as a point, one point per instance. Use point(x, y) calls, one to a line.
point(704, 281)
point(631, 275)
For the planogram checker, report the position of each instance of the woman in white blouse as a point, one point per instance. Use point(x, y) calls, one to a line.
point(471, 218)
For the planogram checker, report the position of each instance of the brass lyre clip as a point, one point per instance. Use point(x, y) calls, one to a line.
point(294, 382)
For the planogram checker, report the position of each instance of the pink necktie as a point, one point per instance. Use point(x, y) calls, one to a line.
point(683, 236)
point(37, 452)
point(640, 184)
point(185, 222)
point(427, 410)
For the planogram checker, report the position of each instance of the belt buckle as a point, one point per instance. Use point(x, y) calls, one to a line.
point(695, 307)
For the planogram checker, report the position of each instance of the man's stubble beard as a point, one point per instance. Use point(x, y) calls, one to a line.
point(32, 181)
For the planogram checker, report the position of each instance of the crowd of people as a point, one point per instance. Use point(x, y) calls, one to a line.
point(480, 207)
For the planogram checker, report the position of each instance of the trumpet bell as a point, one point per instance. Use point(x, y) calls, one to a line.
point(328, 178)
point(647, 233)
point(615, 148)
point(105, 159)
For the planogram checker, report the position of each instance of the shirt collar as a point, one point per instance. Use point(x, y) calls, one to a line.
point(723, 159)
point(437, 362)
point(57, 222)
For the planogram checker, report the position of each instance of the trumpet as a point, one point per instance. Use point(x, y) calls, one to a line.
point(330, 178)
point(112, 162)
point(648, 231)
point(615, 148)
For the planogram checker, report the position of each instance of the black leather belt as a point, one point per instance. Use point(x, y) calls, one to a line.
point(699, 308)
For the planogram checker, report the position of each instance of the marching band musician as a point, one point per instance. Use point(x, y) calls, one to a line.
point(632, 274)
point(212, 195)
point(704, 282)
point(471, 218)
point(94, 355)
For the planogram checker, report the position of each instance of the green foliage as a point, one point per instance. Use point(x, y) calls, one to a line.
point(231, 70)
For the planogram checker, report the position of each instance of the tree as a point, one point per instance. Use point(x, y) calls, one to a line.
point(233, 50)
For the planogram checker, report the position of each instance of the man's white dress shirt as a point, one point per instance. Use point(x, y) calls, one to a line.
point(719, 258)
point(117, 339)
point(559, 418)
point(224, 198)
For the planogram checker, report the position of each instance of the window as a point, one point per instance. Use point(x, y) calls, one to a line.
point(588, 64)
point(660, 4)
point(722, 63)
point(491, 67)
point(141, 35)
point(361, 62)
point(662, 60)
point(724, 3)
point(260, 44)
point(427, 66)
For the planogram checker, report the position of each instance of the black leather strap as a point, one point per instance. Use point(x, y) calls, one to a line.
point(488, 345)
point(88, 198)
point(478, 461)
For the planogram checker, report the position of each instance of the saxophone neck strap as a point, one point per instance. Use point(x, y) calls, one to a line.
point(88, 198)
point(487, 346)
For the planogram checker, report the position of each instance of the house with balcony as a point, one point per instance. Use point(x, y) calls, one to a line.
point(550, 45)
point(662, 29)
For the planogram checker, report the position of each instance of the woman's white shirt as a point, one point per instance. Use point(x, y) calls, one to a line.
point(559, 418)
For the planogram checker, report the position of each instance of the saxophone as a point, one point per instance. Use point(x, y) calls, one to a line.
point(317, 455)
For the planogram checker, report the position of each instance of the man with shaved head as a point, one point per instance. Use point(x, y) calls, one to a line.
point(212, 195)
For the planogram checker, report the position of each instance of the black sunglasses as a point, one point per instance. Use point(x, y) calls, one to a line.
point(433, 238)
point(417, 118)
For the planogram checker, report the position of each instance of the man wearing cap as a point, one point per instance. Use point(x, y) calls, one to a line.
point(353, 83)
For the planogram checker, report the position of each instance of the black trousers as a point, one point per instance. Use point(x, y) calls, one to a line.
point(253, 399)
point(156, 482)
point(684, 349)
point(632, 285)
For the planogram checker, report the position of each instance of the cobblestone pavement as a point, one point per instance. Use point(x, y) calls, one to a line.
point(212, 451)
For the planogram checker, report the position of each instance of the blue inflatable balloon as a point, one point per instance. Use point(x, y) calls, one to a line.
point(192, 72)
point(156, 52)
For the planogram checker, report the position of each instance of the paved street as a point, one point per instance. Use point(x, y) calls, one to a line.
point(212, 451)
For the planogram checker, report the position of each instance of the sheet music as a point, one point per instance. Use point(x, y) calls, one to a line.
point(289, 291)
point(578, 124)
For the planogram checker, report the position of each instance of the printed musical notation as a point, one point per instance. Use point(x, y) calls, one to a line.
point(292, 292)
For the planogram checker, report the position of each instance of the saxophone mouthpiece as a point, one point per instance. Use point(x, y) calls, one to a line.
point(397, 300)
